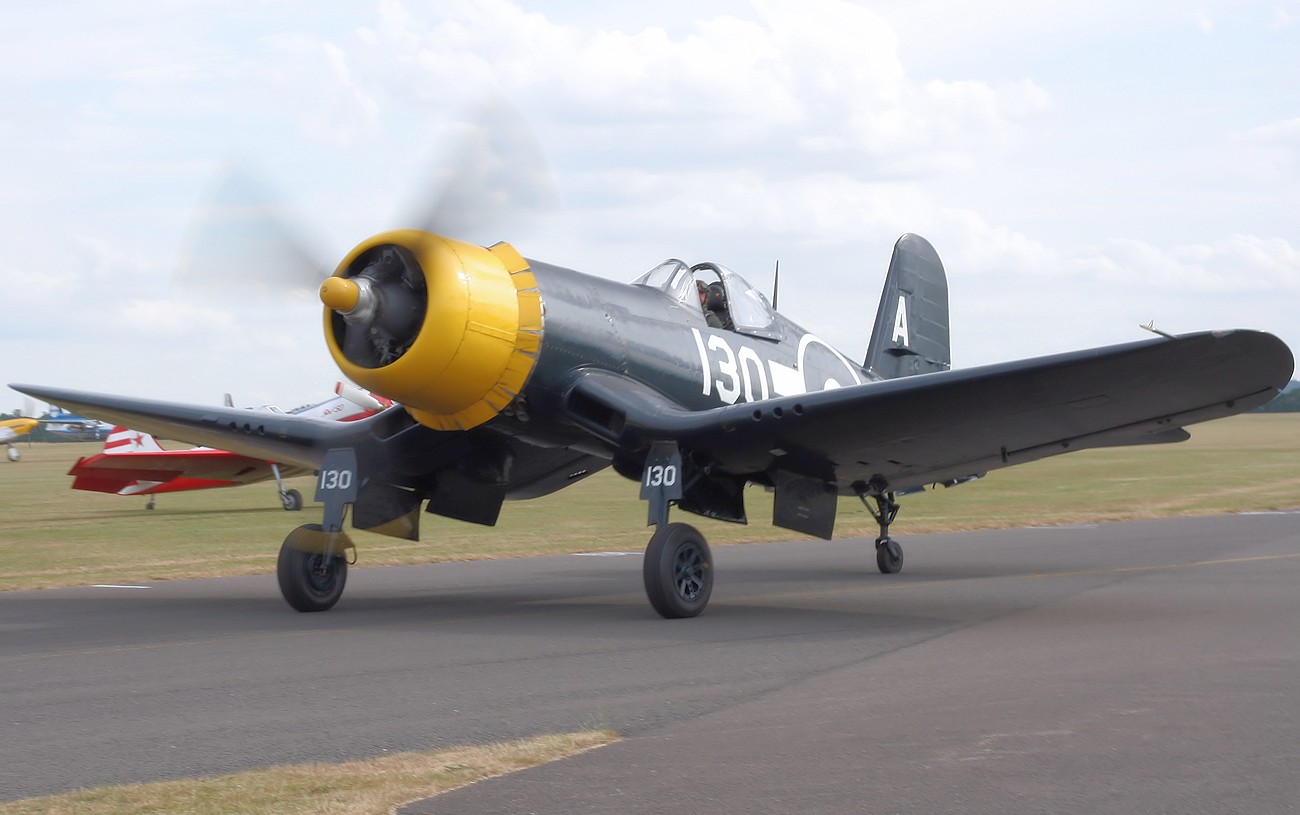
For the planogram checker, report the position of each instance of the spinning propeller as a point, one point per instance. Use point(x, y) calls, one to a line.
point(400, 290)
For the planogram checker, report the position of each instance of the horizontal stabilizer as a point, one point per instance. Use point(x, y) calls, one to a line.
point(122, 440)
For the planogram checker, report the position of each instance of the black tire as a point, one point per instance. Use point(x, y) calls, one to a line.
point(889, 556)
point(292, 500)
point(309, 580)
point(678, 571)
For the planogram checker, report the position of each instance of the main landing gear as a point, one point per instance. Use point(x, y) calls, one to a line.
point(311, 569)
point(889, 555)
point(678, 567)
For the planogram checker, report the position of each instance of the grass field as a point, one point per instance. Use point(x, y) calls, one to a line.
point(54, 536)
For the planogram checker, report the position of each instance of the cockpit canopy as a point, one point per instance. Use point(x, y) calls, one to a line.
point(749, 310)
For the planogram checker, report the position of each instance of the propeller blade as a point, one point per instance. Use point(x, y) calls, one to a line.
point(241, 243)
point(492, 179)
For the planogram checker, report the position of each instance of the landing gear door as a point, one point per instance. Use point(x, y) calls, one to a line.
point(337, 485)
point(661, 480)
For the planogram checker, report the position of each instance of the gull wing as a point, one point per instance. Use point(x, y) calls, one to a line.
point(904, 433)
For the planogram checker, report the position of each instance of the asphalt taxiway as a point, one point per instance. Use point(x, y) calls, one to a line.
point(1147, 666)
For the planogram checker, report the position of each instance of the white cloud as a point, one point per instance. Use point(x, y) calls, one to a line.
point(825, 79)
point(1270, 151)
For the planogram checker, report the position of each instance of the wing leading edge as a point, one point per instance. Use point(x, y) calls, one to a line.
point(257, 434)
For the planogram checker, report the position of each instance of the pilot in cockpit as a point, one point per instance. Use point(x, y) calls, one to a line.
point(715, 307)
point(710, 316)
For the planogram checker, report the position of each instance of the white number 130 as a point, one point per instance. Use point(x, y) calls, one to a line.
point(661, 475)
point(335, 479)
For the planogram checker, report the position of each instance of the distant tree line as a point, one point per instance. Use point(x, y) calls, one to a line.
point(1288, 401)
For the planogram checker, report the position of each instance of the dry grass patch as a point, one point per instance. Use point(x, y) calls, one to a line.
point(375, 787)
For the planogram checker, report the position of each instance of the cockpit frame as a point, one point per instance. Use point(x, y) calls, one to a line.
point(750, 311)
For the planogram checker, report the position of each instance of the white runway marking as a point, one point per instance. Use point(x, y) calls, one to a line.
point(115, 586)
point(1064, 526)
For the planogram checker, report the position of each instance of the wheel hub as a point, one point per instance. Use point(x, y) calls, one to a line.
point(688, 572)
point(321, 573)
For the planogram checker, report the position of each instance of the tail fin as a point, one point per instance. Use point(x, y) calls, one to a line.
point(121, 440)
point(911, 331)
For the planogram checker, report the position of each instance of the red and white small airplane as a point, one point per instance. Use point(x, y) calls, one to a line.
point(134, 463)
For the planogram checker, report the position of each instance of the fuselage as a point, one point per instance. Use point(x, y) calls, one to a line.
point(490, 346)
point(646, 334)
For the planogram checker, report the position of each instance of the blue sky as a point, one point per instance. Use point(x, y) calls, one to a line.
point(1080, 167)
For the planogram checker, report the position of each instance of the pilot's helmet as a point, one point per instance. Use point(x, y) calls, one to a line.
point(717, 298)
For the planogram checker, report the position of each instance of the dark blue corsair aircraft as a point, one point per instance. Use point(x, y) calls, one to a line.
point(516, 378)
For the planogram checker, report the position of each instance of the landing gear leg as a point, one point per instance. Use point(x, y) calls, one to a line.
point(312, 569)
point(678, 567)
point(290, 499)
point(889, 555)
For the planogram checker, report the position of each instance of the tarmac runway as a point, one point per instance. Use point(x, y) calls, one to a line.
point(1135, 667)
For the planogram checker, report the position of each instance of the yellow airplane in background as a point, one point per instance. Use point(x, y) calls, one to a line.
point(10, 430)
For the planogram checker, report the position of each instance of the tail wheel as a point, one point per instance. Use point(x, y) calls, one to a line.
point(310, 580)
point(678, 571)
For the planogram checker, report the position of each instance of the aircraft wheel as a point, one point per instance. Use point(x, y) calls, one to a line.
point(309, 581)
point(678, 571)
point(150, 503)
point(292, 500)
point(13, 454)
point(889, 556)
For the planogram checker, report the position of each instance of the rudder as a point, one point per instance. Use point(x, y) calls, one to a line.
point(911, 331)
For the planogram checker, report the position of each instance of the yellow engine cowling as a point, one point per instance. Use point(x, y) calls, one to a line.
point(479, 338)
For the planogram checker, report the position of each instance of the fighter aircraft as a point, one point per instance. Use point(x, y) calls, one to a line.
point(10, 430)
point(134, 463)
point(515, 378)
